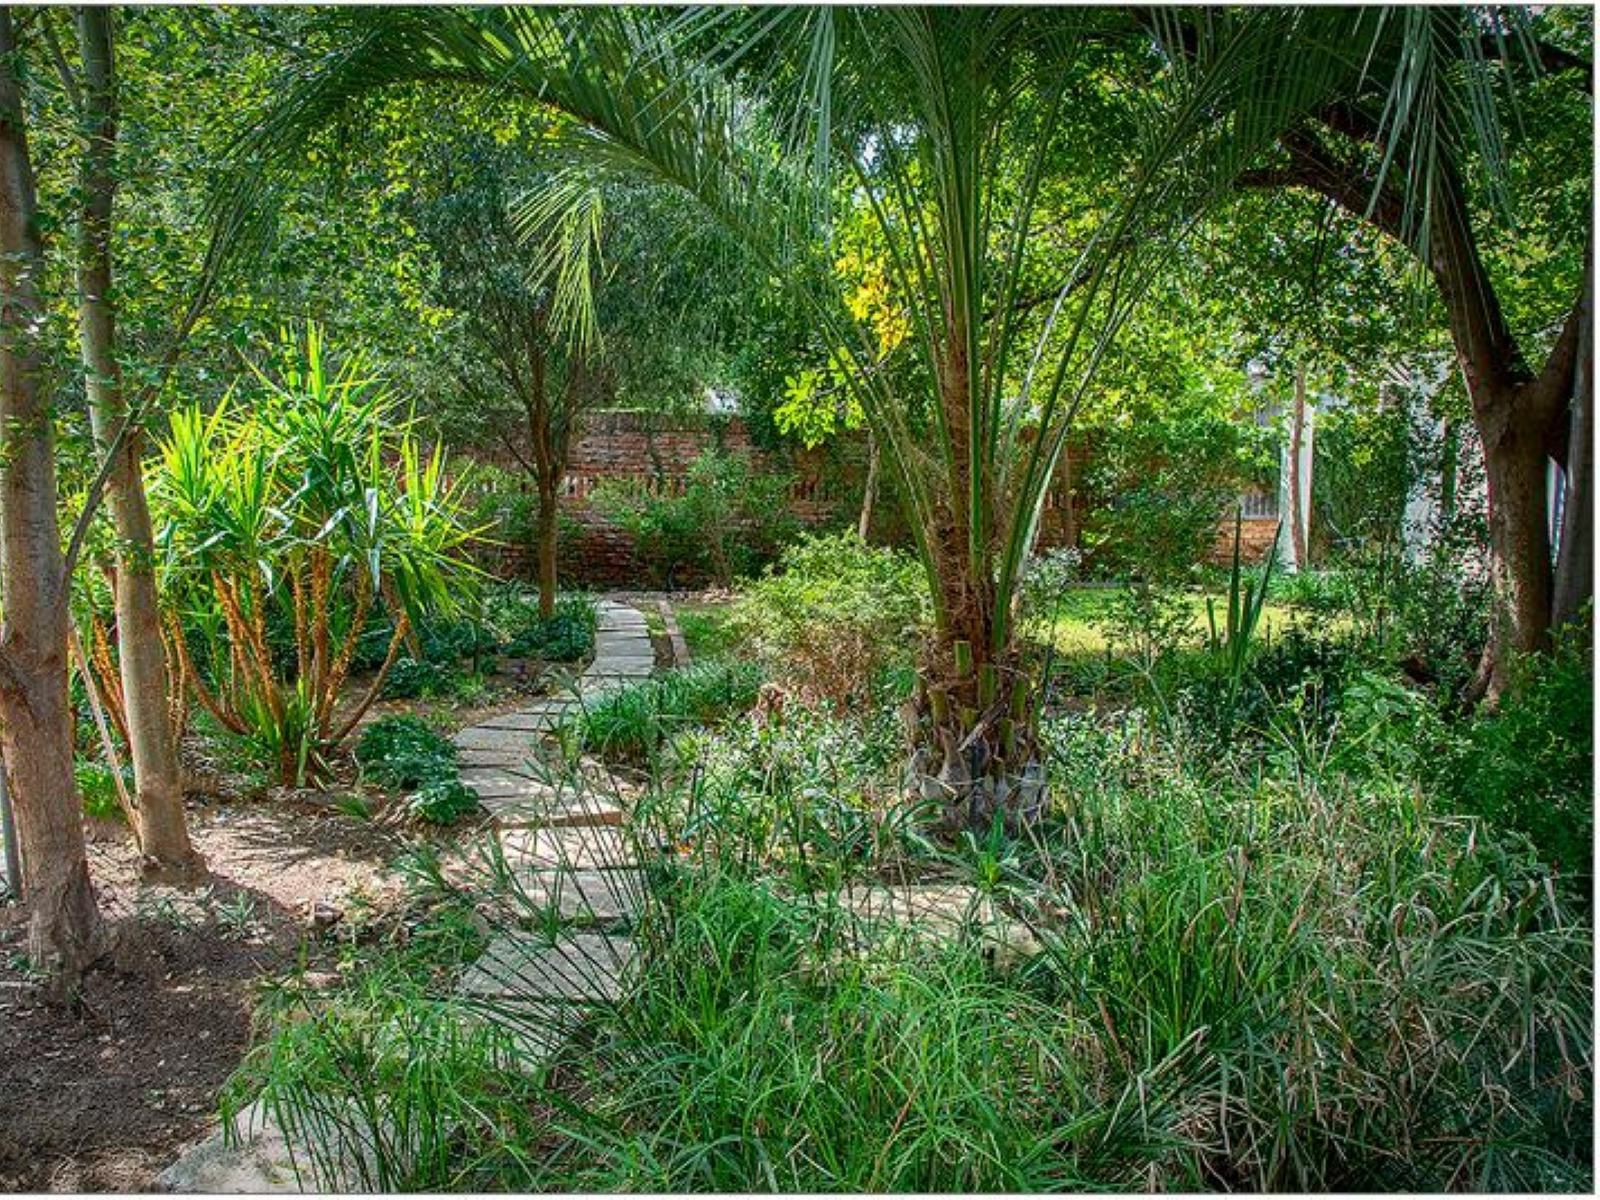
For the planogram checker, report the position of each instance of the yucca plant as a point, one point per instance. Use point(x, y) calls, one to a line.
point(308, 507)
point(1247, 599)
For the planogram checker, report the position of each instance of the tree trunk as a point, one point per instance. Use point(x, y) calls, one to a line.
point(548, 510)
point(1298, 540)
point(1518, 527)
point(64, 930)
point(141, 656)
point(869, 490)
point(1574, 582)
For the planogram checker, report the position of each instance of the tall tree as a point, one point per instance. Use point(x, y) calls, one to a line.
point(1413, 143)
point(64, 929)
point(141, 653)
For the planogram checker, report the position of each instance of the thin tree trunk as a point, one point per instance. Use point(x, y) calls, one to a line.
point(64, 929)
point(546, 550)
point(141, 656)
point(869, 491)
point(1297, 430)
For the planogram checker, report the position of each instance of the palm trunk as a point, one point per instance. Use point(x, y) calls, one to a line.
point(64, 930)
point(141, 656)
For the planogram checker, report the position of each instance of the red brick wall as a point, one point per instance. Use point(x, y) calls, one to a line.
point(655, 452)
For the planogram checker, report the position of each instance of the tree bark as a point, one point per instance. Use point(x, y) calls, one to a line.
point(1574, 582)
point(141, 656)
point(64, 928)
point(547, 546)
point(869, 490)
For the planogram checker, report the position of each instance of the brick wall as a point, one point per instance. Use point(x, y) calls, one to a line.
point(654, 452)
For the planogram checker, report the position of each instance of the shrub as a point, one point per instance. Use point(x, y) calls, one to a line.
point(403, 753)
point(730, 519)
point(566, 636)
point(288, 518)
point(442, 802)
point(97, 788)
point(1529, 766)
point(833, 615)
point(409, 679)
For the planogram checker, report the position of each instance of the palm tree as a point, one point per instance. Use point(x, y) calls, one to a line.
point(947, 128)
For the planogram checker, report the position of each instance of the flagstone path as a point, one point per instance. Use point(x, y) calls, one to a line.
point(566, 851)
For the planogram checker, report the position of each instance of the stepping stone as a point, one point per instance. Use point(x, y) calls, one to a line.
point(258, 1161)
point(589, 895)
point(552, 808)
point(504, 788)
point(515, 761)
point(481, 737)
point(532, 720)
point(580, 968)
point(576, 847)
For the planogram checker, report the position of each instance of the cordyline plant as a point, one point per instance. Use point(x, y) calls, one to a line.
point(1014, 238)
point(305, 509)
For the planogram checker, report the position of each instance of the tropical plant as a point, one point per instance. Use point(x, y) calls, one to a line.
point(311, 503)
point(1247, 599)
point(404, 752)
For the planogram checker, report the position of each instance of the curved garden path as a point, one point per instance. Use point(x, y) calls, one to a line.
point(563, 844)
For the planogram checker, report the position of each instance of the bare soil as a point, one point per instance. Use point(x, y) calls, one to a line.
point(104, 1095)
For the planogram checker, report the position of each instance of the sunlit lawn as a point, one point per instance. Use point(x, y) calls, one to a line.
point(1079, 622)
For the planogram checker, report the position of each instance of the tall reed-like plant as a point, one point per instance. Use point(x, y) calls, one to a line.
point(305, 505)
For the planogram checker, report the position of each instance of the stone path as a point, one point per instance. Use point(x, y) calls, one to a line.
point(564, 846)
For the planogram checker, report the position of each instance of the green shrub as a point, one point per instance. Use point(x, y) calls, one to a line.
point(566, 636)
point(403, 753)
point(632, 723)
point(729, 520)
point(833, 615)
point(442, 802)
point(410, 679)
point(97, 788)
point(1529, 766)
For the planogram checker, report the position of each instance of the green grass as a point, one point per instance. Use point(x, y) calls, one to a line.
point(707, 630)
point(1077, 623)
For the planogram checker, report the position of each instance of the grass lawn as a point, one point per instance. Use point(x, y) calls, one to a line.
point(707, 629)
point(1078, 625)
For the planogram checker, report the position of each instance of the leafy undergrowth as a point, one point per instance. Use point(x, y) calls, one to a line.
point(1265, 962)
point(406, 754)
point(631, 725)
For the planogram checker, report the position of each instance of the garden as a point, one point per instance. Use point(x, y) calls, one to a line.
point(788, 599)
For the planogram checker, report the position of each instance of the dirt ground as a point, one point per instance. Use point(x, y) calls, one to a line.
point(104, 1097)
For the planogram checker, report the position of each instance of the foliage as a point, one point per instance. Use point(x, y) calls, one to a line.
point(1247, 598)
point(97, 787)
point(304, 507)
point(631, 724)
point(1529, 766)
point(832, 615)
point(442, 801)
point(729, 519)
point(565, 637)
point(404, 752)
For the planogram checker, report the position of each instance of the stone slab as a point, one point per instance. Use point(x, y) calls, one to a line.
point(503, 781)
point(552, 809)
point(482, 737)
point(941, 912)
point(577, 847)
point(530, 720)
point(604, 896)
point(580, 968)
